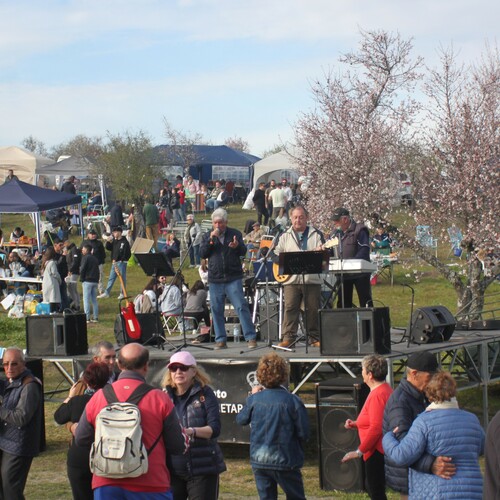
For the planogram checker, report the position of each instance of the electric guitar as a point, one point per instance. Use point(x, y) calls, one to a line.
point(132, 324)
point(283, 278)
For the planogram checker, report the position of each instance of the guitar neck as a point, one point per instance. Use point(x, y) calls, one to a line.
point(122, 284)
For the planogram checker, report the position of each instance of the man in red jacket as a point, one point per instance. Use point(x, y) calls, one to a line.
point(158, 417)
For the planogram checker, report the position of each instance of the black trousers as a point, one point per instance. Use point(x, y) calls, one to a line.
point(14, 473)
point(262, 212)
point(195, 488)
point(363, 289)
point(375, 476)
point(80, 479)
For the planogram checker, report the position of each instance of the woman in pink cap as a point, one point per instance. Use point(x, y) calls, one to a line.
point(195, 474)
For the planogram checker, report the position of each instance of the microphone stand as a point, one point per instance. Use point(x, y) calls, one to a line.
point(411, 313)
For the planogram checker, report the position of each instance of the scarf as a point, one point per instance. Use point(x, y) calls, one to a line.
point(445, 405)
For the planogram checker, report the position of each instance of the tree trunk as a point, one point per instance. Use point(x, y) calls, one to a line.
point(469, 289)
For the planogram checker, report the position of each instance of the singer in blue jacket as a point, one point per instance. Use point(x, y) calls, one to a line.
point(224, 247)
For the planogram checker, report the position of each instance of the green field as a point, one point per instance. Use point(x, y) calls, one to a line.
point(48, 474)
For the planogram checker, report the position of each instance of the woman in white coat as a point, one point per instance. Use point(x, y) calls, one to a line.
point(51, 280)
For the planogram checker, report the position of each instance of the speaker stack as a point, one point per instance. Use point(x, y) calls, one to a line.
point(432, 324)
point(345, 332)
point(56, 335)
point(336, 401)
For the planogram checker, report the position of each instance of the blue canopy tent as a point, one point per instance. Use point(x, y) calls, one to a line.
point(20, 197)
point(202, 159)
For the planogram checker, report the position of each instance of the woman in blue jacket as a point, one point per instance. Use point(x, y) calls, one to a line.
point(279, 428)
point(441, 430)
point(195, 475)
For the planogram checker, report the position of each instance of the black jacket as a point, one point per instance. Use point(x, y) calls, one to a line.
point(97, 249)
point(403, 407)
point(120, 249)
point(73, 258)
point(259, 199)
point(224, 262)
point(89, 270)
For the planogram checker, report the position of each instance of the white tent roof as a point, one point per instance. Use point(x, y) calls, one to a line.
point(275, 167)
point(23, 162)
point(71, 165)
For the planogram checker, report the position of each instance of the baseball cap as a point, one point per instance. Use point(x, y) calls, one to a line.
point(340, 212)
point(182, 358)
point(92, 231)
point(255, 224)
point(423, 362)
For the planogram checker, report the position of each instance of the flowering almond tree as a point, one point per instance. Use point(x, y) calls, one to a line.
point(364, 132)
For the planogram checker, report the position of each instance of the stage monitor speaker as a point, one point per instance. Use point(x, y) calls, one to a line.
point(336, 401)
point(432, 324)
point(344, 332)
point(56, 335)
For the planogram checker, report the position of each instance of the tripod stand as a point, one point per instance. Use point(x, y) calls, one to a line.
point(153, 264)
point(302, 263)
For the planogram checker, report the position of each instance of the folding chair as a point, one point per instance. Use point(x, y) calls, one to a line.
point(424, 238)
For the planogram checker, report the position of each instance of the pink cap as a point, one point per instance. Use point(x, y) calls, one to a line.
point(182, 358)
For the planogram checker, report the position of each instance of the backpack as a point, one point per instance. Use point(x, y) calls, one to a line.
point(118, 450)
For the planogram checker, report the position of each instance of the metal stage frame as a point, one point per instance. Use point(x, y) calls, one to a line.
point(471, 356)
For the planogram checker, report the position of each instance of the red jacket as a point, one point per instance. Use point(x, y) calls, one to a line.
point(369, 422)
point(157, 417)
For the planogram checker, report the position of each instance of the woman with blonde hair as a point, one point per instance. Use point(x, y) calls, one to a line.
point(279, 429)
point(441, 430)
point(195, 474)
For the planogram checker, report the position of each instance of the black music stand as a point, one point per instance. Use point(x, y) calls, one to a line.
point(154, 265)
point(309, 262)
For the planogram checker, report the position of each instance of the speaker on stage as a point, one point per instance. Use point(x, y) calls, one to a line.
point(56, 335)
point(344, 332)
point(432, 324)
point(336, 401)
point(271, 309)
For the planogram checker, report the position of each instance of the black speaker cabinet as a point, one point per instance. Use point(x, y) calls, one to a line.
point(148, 328)
point(336, 401)
point(56, 335)
point(432, 324)
point(271, 310)
point(345, 332)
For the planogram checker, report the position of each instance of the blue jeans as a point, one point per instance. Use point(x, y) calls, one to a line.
point(194, 255)
point(234, 292)
point(90, 296)
point(117, 493)
point(267, 481)
point(211, 204)
point(122, 267)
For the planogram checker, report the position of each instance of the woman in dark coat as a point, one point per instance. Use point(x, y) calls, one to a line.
point(96, 376)
point(195, 475)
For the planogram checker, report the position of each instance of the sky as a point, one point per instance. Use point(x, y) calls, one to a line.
point(218, 68)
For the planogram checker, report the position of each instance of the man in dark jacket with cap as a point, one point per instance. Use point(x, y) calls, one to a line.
point(405, 404)
point(354, 244)
point(99, 253)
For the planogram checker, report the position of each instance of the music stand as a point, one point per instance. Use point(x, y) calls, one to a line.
point(309, 262)
point(154, 264)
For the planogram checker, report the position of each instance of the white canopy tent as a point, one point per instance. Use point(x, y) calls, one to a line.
point(24, 163)
point(275, 167)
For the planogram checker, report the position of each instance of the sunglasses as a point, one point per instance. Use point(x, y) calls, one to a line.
point(182, 368)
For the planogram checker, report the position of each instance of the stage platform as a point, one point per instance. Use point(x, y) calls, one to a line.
point(472, 356)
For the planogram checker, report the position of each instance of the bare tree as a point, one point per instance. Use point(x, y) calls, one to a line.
point(80, 146)
point(237, 143)
point(364, 132)
point(181, 146)
point(34, 145)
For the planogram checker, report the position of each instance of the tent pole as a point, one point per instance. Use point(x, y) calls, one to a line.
point(81, 220)
point(36, 216)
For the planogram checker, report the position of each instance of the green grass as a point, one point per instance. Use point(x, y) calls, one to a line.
point(47, 479)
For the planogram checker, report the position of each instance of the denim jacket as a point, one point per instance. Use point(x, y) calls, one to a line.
point(279, 427)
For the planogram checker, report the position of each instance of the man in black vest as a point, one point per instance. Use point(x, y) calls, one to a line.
point(20, 423)
point(354, 244)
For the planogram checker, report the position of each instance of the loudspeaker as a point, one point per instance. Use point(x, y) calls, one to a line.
point(273, 311)
point(344, 332)
point(336, 401)
point(148, 328)
point(56, 334)
point(432, 324)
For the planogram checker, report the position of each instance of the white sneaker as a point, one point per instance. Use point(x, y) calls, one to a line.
point(121, 296)
point(103, 296)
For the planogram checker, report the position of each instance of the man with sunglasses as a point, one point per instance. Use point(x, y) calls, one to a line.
point(20, 423)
